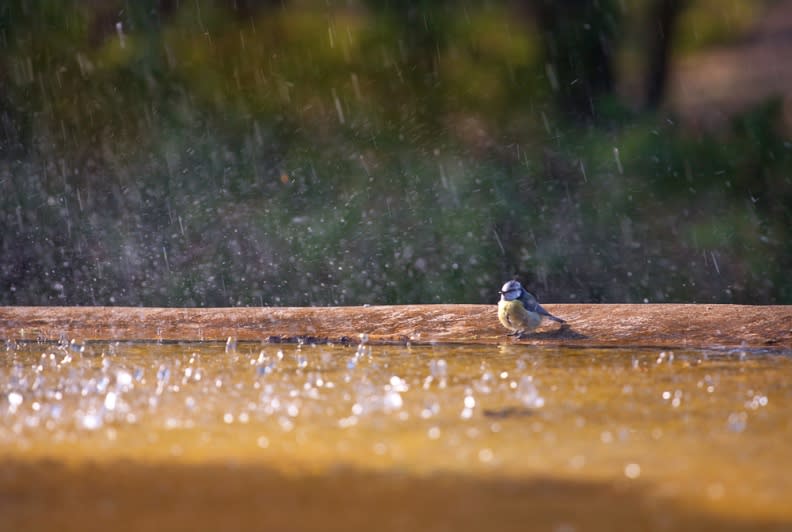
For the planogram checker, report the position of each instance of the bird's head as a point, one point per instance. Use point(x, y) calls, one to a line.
point(511, 291)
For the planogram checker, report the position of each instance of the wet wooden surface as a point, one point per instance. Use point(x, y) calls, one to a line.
point(649, 325)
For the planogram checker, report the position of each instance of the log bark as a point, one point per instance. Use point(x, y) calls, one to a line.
point(616, 325)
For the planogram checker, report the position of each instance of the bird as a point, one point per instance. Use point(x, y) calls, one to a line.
point(519, 310)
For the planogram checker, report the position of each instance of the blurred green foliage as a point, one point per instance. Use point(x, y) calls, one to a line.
point(216, 153)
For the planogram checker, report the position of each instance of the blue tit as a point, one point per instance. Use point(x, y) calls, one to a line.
point(519, 311)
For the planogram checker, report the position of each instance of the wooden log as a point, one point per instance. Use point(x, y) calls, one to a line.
point(589, 325)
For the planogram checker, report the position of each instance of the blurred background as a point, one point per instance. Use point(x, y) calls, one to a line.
point(287, 152)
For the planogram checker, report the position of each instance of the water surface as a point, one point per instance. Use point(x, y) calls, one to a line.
point(707, 430)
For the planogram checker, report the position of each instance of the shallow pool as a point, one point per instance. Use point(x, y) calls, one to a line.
point(570, 439)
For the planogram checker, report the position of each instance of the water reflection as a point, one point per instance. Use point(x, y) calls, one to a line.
point(711, 426)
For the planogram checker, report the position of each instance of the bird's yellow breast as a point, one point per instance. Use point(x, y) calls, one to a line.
point(514, 316)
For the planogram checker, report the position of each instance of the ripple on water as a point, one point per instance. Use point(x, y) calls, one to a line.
point(632, 413)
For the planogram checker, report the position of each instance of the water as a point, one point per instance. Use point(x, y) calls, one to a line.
point(707, 430)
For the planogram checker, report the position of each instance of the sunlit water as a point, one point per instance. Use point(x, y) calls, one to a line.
point(710, 428)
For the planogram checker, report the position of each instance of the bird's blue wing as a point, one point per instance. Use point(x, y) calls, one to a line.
point(532, 305)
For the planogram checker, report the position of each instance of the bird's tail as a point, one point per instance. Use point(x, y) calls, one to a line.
point(559, 320)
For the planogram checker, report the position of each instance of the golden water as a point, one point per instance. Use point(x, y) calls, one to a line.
point(566, 439)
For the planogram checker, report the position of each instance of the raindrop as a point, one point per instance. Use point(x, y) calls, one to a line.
point(120, 31)
point(438, 369)
point(398, 384)
point(110, 401)
point(91, 420)
point(738, 421)
point(617, 158)
point(392, 401)
point(163, 375)
point(486, 383)
point(231, 344)
point(123, 378)
point(14, 400)
point(76, 346)
point(632, 471)
point(528, 393)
